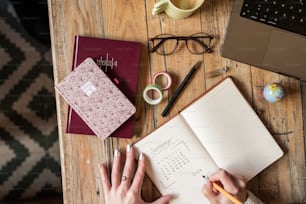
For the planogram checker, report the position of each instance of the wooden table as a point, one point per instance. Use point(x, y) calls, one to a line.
point(283, 182)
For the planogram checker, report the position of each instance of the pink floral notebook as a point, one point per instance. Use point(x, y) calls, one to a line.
point(95, 98)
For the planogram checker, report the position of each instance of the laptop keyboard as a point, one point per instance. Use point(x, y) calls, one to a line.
point(285, 14)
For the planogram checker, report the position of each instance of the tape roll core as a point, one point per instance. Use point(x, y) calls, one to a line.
point(168, 77)
point(148, 99)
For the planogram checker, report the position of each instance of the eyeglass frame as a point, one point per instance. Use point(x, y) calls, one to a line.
point(207, 48)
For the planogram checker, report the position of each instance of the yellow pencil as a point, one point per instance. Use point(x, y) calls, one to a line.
point(228, 195)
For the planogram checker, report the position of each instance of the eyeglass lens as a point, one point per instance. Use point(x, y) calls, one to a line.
point(165, 44)
point(197, 44)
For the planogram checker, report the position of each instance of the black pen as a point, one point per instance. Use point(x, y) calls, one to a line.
point(180, 88)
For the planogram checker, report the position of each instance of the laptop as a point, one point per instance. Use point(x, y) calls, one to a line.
point(269, 34)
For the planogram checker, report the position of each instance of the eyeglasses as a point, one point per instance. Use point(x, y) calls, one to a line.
point(166, 44)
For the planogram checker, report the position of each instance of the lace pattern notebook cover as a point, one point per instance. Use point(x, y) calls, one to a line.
point(95, 98)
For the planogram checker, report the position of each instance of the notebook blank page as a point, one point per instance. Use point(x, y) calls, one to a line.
point(231, 132)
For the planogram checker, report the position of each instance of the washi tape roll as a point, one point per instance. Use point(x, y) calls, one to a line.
point(165, 75)
point(155, 88)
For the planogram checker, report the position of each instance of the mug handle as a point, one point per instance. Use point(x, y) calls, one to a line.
point(159, 7)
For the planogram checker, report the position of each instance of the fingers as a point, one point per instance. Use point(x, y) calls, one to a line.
point(104, 178)
point(234, 185)
point(116, 175)
point(127, 173)
point(120, 189)
point(209, 192)
point(139, 175)
point(227, 181)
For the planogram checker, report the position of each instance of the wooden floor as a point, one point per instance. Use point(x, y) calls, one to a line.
point(283, 182)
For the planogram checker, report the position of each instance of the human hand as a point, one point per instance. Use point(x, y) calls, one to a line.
point(126, 189)
point(234, 185)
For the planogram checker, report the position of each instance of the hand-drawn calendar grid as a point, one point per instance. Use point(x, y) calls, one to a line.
point(168, 165)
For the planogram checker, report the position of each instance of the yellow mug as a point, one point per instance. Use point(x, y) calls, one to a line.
point(177, 9)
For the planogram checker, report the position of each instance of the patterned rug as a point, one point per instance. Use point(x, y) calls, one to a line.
point(29, 149)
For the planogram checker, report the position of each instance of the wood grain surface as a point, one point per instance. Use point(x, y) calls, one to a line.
point(282, 182)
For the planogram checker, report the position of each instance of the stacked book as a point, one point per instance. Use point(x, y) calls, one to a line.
point(119, 60)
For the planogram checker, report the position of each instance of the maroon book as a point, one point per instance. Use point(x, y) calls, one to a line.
point(120, 61)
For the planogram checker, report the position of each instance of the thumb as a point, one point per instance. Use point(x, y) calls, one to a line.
point(209, 192)
point(163, 200)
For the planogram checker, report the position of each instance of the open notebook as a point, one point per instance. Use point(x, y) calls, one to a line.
point(218, 130)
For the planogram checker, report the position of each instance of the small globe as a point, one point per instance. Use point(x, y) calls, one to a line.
point(274, 92)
